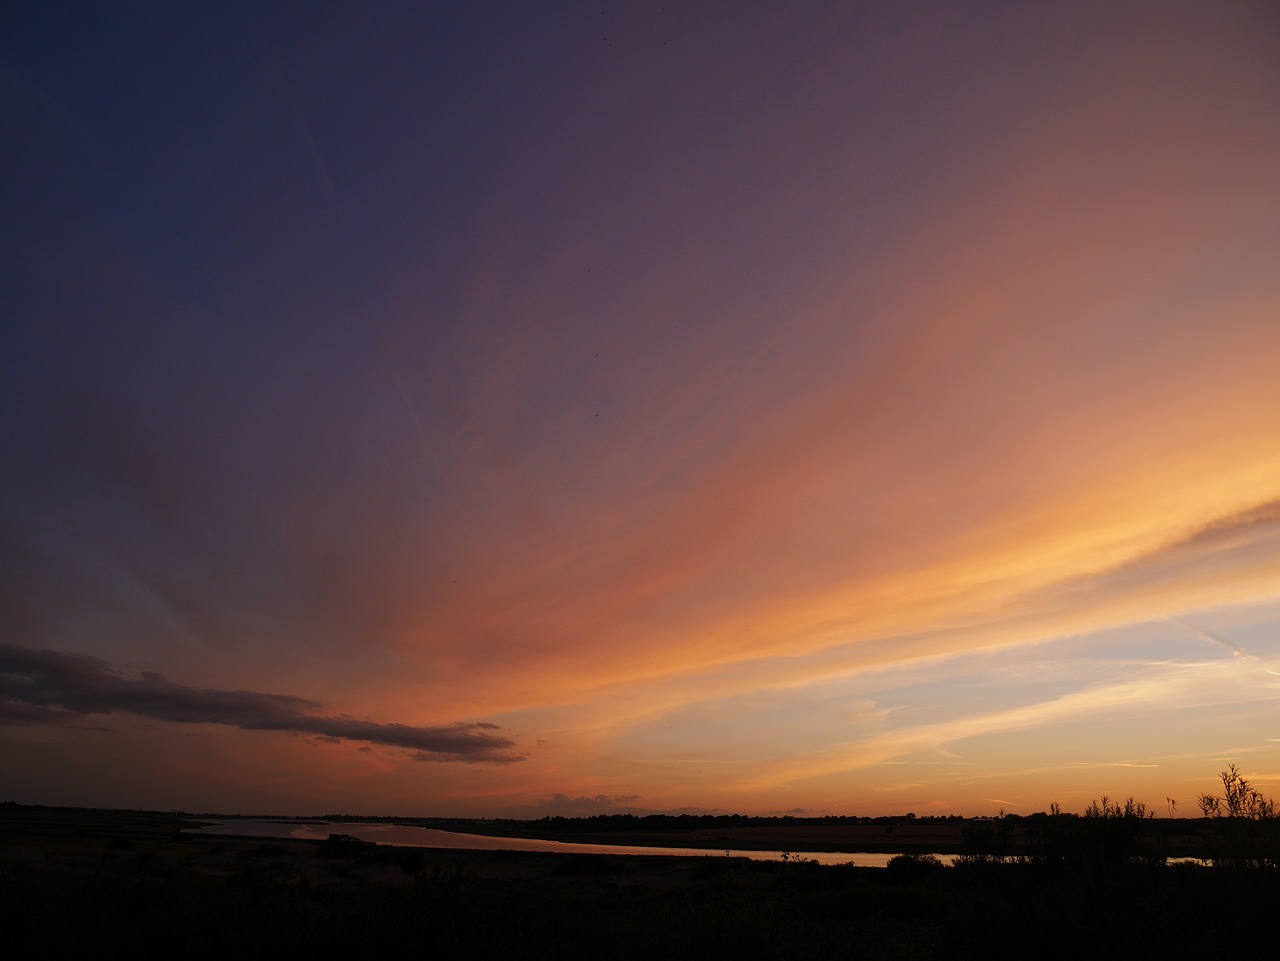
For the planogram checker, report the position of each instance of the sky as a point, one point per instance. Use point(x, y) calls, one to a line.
point(502, 409)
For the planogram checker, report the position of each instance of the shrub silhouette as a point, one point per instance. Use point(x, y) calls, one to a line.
point(908, 868)
point(344, 846)
point(1239, 799)
point(1247, 825)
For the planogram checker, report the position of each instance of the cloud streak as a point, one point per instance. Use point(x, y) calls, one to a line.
point(1235, 648)
point(46, 686)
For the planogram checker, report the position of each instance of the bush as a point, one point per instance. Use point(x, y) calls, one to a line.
point(913, 867)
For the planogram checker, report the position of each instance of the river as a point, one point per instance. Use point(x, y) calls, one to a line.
point(417, 837)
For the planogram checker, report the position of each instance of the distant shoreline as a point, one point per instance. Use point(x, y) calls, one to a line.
point(93, 883)
point(1177, 837)
point(907, 834)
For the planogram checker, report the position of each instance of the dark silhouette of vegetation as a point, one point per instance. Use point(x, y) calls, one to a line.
point(1247, 826)
point(1243, 830)
point(909, 868)
point(1114, 833)
point(343, 846)
point(1239, 799)
point(1048, 885)
point(199, 898)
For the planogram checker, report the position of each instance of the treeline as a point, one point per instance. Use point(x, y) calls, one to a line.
point(167, 895)
point(626, 823)
point(1239, 828)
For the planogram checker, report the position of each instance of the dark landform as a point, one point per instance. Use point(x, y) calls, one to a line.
point(905, 834)
point(117, 884)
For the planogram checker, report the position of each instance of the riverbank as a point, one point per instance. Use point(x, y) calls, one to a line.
point(132, 884)
point(896, 837)
point(1012, 835)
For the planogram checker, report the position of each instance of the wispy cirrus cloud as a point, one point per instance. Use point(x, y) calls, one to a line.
point(47, 686)
point(1230, 545)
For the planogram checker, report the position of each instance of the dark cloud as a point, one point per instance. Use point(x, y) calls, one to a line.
point(45, 686)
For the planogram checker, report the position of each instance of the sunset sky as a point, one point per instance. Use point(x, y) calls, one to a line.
point(552, 408)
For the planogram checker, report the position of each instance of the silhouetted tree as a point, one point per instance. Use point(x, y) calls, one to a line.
point(1248, 823)
point(1239, 799)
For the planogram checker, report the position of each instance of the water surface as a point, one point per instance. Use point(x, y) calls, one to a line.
point(418, 837)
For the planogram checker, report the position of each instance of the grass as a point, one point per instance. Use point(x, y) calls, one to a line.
point(129, 884)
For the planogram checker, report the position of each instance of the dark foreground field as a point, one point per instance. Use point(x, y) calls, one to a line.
point(117, 885)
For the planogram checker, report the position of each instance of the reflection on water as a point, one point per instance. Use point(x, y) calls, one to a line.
point(417, 837)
